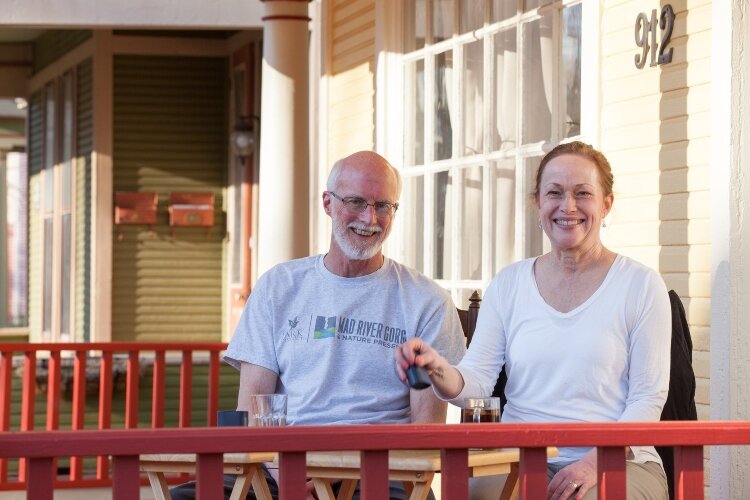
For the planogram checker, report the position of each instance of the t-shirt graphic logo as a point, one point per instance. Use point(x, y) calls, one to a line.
point(324, 327)
point(293, 333)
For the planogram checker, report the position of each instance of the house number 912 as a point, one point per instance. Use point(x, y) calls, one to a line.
point(645, 27)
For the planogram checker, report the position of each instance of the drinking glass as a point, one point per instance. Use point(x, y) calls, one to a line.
point(478, 410)
point(267, 410)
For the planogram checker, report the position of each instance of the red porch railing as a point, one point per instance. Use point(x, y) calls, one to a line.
point(688, 438)
point(27, 357)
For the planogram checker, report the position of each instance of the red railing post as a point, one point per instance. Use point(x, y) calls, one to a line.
point(213, 388)
point(53, 391)
point(27, 402)
point(292, 475)
point(105, 408)
point(157, 393)
point(186, 384)
point(208, 472)
point(125, 477)
point(131, 391)
point(454, 473)
point(688, 473)
point(532, 474)
point(54, 365)
point(6, 372)
point(40, 485)
point(79, 407)
point(374, 475)
point(610, 465)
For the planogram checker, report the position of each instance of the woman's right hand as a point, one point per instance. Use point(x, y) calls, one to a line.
point(417, 352)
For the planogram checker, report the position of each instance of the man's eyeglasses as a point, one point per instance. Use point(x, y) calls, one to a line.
point(358, 205)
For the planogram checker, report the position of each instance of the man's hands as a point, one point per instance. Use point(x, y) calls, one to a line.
point(574, 480)
point(310, 491)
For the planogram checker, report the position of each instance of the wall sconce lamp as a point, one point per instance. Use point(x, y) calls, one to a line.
point(245, 136)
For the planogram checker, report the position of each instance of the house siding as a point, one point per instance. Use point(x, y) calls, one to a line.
point(655, 127)
point(169, 136)
point(351, 67)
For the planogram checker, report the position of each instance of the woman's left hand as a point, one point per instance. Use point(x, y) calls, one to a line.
point(574, 480)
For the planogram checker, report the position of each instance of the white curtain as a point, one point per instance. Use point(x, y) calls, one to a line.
point(506, 58)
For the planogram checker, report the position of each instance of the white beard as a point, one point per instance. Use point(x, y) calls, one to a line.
point(362, 251)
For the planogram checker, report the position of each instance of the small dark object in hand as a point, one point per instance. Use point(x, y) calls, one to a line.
point(418, 377)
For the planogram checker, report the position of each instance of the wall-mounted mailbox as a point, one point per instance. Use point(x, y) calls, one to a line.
point(132, 207)
point(191, 209)
point(135, 208)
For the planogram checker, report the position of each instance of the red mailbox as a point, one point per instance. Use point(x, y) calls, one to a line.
point(191, 209)
point(132, 207)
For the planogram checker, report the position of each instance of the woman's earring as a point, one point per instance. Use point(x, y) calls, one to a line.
point(604, 223)
point(539, 223)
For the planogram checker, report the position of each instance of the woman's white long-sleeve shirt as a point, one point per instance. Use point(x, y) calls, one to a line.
point(607, 360)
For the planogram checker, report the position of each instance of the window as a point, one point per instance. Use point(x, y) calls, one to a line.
point(13, 184)
point(57, 208)
point(488, 87)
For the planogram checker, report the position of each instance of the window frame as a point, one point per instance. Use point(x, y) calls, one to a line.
point(397, 110)
point(53, 166)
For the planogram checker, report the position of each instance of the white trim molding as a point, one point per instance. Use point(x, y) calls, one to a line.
point(730, 291)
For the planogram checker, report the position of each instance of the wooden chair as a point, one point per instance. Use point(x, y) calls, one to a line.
point(469, 316)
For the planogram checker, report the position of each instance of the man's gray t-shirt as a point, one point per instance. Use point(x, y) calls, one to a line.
point(331, 339)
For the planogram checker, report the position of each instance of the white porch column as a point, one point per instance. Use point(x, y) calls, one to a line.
point(284, 204)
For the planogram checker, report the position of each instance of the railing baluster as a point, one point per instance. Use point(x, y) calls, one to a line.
point(6, 374)
point(532, 474)
point(688, 472)
point(131, 391)
point(374, 474)
point(29, 386)
point(186, 384)
point(54, 367)
point(157, 393)
point(125, 477)
point(105, 408)
point(292, 475)
point(27, 402)
point(454, 473)
point(79, 407)
point(209, 474)
point(53, 391)
point(41, 478)
point(610, 464)
point(213, 388)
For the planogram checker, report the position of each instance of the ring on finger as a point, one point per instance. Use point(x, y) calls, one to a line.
point(574, 485)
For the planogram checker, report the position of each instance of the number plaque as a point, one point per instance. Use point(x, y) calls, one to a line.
point(645, 37)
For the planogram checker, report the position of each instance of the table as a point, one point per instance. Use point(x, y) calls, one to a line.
point(245, 465)
point(415, 467)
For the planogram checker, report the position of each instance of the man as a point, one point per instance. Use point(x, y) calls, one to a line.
point(322, 329)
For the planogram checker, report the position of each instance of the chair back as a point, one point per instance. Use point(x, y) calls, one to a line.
point(469, 316)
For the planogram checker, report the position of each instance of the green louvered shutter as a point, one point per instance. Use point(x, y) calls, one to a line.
point(35, 149)
point(84, 146)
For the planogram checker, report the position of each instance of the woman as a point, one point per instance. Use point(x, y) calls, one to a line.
point(583, 333)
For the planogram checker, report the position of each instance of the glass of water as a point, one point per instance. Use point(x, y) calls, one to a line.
point(267, 410)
